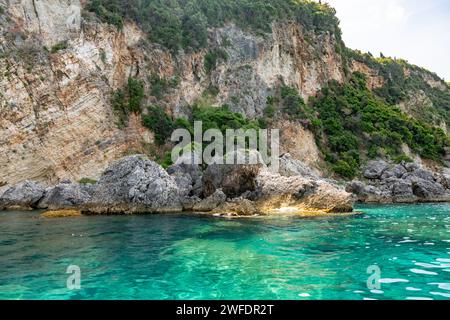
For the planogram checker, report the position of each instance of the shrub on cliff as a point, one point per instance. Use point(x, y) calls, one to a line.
point(354, 121)
point(213, 57)
point(183, 24)
point(399, 84)
point(128, 100)
point(211, 117)
point(59, 46)
point(221, 118)
point(294, 106)
point(108, 11)
point(159, 123)
point(160, 86)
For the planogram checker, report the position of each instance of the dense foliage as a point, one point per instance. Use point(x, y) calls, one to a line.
point(159, 123)
point(128, 100)
point(211, 117)
point(213, 57)
point(398, 85)
point(160, 86)
point(294, 106)
point(354, 123)
point(178, 24)
point(221, 118)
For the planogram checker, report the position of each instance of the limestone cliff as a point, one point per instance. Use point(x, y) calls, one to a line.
point(56, 120)
point(59, 65)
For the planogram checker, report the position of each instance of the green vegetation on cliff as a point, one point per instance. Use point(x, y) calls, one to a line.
point(354, 123)
point(221, 118)
point(160, 86)
point(128, 100)
point(351, 123)
point(180, 24)
point(159, 123)
point(212, 57)
point(156, 120)
point(403, 79)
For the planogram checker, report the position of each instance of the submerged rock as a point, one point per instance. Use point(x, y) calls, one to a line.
point(23, 196)
point(61, 214)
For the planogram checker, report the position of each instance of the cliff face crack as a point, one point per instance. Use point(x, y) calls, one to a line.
point(37, 15)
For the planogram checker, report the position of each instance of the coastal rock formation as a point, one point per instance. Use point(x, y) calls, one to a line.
point(277, 194)
point(253, 189)
point(402, 183)
point(291, 167)
point(62, 64)
point(240, 207)
point(66, 195)
point(210, 203)
point(135, 184)
point(233, 179)
point(375, 169)
point(188, 177)
point(23, 196)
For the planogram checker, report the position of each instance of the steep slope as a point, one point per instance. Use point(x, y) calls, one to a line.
point(63, 61)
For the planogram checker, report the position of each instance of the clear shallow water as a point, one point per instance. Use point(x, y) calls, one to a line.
point(185, 257)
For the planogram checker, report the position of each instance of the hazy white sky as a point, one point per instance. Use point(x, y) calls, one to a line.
point(415, 30)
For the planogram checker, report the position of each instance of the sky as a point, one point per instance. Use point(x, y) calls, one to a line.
point(415, 30)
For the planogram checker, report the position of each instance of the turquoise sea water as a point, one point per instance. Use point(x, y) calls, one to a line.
point(190, 257)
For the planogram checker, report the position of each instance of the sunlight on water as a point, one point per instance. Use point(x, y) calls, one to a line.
point(186, 257)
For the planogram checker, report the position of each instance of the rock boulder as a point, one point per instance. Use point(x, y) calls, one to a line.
point(275, 193)
point(66, 195)
point(375, 169)
point(135, 184)
point(23, 196)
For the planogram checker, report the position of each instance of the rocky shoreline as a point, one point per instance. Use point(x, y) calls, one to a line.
point(384, 182)
point(136, 184)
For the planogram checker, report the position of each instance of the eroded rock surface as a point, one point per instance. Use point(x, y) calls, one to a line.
point(23, 196)
point(402, 183)
point(277, 193)
point(135, 184)
point(66, 195)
